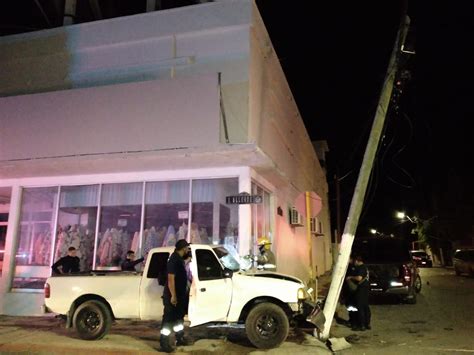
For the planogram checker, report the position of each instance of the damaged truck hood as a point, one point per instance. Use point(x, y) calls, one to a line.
point(273, 275)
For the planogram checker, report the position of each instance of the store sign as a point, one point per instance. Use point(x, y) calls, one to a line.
point(183, 214)
point(122, 222)
point(243, 199)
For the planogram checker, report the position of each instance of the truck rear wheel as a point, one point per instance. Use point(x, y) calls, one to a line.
point(92, 320)
point(266, 325)
point(418, 284)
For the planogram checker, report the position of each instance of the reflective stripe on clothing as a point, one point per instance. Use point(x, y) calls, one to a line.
point(165, 332)
point(178, 328)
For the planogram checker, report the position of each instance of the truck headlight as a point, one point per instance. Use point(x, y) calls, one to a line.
point(302, 294)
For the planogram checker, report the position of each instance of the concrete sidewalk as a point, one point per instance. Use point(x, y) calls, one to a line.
point(48, 335)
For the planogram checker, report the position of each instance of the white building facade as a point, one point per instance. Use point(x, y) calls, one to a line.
point(130, 133)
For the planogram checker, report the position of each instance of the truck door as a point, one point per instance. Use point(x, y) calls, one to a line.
point(152, 287)
point(211, 293)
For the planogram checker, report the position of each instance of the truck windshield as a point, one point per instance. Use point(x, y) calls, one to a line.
point(227, 259)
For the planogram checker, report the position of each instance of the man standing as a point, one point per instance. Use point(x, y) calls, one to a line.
point(69, 264)
point(361, 295)
point(349, 295)
point(175, 298)
point(129, 263)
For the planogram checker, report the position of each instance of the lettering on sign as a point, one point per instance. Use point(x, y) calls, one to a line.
point(183, 214)
point(243, 199)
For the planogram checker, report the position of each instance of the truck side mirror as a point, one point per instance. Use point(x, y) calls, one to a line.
point(227, 273)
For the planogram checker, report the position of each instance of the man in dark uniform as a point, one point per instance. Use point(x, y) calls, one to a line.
point(349, 296)
point(69, 264)
point(129, 263)
point(175, 298)
point(361, 295)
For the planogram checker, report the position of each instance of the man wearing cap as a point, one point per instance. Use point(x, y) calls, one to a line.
point(175, 298)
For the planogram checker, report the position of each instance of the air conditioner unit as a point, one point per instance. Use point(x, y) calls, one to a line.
point(315, 226)
point(295, 217)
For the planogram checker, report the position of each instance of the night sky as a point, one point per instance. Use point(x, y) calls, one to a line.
point(335, 58)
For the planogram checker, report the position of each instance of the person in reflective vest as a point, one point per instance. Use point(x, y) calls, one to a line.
point(266, 260)
point(175, 298)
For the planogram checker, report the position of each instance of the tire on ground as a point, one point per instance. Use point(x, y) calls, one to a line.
point(267, 325)
point(418, 284)
point(92, 320)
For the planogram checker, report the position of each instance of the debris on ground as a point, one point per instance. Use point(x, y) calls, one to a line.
point(338, 344)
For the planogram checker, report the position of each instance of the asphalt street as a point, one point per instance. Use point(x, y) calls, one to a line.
point(442, 321)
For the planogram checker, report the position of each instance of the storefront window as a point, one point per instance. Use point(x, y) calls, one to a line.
point(3, 236)
point(120, 219)
point(33, 256)
point(214, 222)
point(166, 213)
point(77, 223)
point(193, 210)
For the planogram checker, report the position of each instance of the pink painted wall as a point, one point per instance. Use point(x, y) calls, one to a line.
point(140, 116)
point(277, 128)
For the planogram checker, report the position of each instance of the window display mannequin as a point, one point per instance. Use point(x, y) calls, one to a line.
point(170, 238)
point(183, 231)
point(195, 235)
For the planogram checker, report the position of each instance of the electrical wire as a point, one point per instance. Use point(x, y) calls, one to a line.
point(346, 175)
point(403, 170)
point(374, 104)
point(375, 174)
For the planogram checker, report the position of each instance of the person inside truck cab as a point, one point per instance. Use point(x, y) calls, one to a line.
point(67, 264)
point(129, 263)
point(175, 298)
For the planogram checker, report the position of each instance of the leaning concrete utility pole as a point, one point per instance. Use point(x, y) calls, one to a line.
point(361, 186)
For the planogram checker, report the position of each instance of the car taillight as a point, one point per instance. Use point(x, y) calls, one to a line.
point(406, 273)
point(47, 290)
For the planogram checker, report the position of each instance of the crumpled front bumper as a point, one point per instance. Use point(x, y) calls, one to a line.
point(311, 312)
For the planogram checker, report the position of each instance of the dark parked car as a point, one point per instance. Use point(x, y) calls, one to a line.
point(421, 258)
point(463, 261)
point(391, 267)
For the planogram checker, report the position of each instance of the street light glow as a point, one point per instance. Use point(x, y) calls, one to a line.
point(402, 215)
point(373, 231)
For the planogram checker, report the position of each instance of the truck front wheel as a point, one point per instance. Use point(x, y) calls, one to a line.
point(266, 326)
point(92, 320)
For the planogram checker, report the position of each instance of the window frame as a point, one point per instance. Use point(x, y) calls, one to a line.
point(215, 258)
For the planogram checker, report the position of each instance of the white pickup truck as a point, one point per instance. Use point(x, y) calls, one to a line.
point(220, 292)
